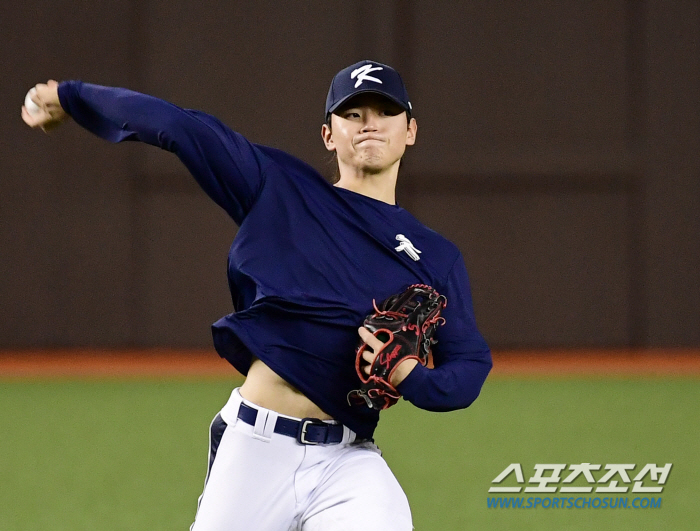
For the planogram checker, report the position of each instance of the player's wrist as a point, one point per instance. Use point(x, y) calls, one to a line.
point(414, 382)
point(402, 371)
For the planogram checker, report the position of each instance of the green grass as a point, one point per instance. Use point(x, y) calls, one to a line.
point(455, 456)
point(127, 455)
point(104, 455)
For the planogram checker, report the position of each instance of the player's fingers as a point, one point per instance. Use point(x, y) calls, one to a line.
point(25, 116)
point(34, 96)
point(30, 120)
point(46, 95)
point(369, 338)
point(366, 336)
point(38, 93)
point(368, 357)
point(41, 119)
point(38, 96)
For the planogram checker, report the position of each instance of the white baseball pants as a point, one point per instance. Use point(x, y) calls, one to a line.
point(264, 481)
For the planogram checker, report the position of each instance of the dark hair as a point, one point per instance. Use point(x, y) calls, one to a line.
point(333, 159)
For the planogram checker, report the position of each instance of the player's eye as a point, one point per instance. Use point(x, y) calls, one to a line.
point(352, 114)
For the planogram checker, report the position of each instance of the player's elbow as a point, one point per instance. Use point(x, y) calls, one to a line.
point(465, 393)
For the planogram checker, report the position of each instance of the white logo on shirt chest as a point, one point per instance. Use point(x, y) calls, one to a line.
point(407, 247)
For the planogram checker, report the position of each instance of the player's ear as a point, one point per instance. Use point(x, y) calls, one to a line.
point(411, 132)
point(327, 136)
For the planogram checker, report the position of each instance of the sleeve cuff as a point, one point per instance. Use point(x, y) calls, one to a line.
point(64, 88)
point(411, 386)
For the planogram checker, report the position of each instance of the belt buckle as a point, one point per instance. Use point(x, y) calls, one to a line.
point(303, 427)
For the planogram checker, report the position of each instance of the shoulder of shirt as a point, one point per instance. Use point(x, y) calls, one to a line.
point(437, 245)
point(447, 246)
point(290, 164)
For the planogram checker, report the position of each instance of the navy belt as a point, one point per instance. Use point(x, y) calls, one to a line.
point(305, 431)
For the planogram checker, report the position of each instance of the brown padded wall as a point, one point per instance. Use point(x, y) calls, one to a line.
point(557, 146)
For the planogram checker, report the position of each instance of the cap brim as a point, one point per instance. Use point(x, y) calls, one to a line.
point(366, 91)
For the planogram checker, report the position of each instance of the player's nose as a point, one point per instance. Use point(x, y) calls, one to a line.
point(370, 123)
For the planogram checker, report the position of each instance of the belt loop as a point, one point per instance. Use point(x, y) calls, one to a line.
point(349, 436)
point(264, 424)
point(230, 410)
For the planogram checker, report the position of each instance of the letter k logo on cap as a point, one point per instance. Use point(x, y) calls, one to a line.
point(362, 74)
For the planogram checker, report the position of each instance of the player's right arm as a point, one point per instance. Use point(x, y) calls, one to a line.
point(228, 167)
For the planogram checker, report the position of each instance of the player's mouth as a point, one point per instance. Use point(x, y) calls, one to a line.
point(368, 138)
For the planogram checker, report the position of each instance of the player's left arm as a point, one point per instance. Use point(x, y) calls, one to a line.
point(461, 358)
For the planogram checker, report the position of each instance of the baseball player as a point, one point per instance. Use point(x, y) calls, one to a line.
point(289, 450)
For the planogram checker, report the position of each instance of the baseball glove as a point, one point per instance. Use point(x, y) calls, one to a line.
point(405, 323)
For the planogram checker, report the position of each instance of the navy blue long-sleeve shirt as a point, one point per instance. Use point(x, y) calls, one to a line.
point(307, 261)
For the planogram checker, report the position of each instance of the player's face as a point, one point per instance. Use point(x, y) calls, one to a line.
point(369, 133)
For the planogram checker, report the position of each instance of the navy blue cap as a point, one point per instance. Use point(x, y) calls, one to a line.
point(367, 76)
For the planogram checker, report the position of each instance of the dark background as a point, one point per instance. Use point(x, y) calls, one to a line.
point(558, 147)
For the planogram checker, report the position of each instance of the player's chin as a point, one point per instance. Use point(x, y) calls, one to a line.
point(376, 162)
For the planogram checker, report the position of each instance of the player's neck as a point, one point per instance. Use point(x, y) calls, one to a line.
point(380, 186)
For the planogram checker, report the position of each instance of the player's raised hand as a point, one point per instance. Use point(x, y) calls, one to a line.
point(44, 109)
